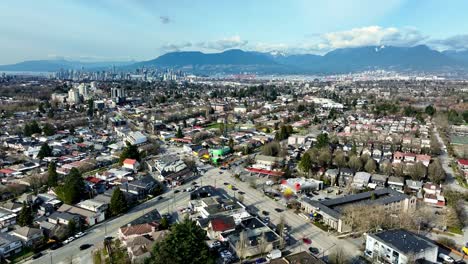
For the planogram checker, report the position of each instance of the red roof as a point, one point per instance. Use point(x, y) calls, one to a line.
point(463, 162)
point(129, 161)
point(223, 224)
point(7, 171)
point(93, 180)
point(267, 172)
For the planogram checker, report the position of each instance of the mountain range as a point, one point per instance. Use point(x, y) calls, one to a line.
point(415, 59)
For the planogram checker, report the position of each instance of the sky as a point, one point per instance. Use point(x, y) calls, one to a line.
point(121, 30)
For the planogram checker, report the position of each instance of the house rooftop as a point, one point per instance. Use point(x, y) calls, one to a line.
point(403, 241)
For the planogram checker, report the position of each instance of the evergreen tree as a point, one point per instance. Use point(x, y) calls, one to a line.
point(71, 227)
point(45, 151)
point(48, 129)
point(129, 152)
point(118, 203)
point(305, 164)
point(322, 140)
point(52, 178)
point(179, 133)
point(73, 188)
point(430, 110)
point(25, 217)
point(185, 243)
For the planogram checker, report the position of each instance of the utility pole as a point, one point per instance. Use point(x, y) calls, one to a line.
point(51, 258)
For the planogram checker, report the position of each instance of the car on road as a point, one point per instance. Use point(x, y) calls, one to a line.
point(68, 240)
point(37, 255)
point(85, 246)
point(160, 197)
point(234, 189)
point(261, 260)
point(79, 234)
point(265, 212)
point(307, 241)
point(279, 210)
point(446, 258)
point(266, 220)
point(177, 191)
point(56, 245)
point(241, 192)
point(313, 250)
point(226, 183)
point(194, 183)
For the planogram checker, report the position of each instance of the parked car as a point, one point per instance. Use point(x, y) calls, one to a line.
point(79, 234)
point(446, 258)
point(56, 245)
point(313, 250)
point(37, 255)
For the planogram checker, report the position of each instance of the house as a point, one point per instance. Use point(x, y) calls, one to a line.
point(378, 180)
point(346, 176)
point(332, 174)
point(63, 218)
point(414, 186)
point(90, 217)
point(131, 164)
point(298, 258)
point(220, 224)
point(424, 159)
point(29, 236)
point(399, 247)
point(361, 179)
point(396, 183)
point(94, 205)
point(142, 187)
point(267, 162)
point(12, 206)
point(7, 219)
point(132, 231)
point(136, 138)
point(9, 245)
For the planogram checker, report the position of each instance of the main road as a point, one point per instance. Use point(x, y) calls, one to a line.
point(299, 227)
point(70, 253)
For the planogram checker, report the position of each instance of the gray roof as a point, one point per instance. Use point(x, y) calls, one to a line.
point(379, 178)
point(403, 241)
point(333, 207)
point(6, 239)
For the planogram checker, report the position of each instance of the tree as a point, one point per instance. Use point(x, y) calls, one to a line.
point(25, 217)
point(31, 128)
point(338, 256)
point(322, 140)
point(52, 177)
point(118, 203)
point(179, 133)
point(129, 152)
point(430, 110)
point(370, 166)
point(436, 172)
point(231, 143)
point(355, 163)
point(241, 245)
point(399, 169)
point(305, 164)
point(262, 244)
point(72, 227)
point(387, 168)
point(435, 145)
point(45, 151)
point(339, 159)
point(164, 223)
point(186, 242)
point(73, 188)
point(324, 157)
point(417, 171)
point(48, 129)
point(271, 149)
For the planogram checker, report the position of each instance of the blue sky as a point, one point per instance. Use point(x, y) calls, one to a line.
point(141, 30)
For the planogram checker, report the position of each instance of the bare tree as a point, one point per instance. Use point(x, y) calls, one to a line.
point(338, 256)
point(241, 245)
point(262, 245)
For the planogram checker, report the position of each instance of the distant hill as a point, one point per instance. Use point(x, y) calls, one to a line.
point(56, 65)
point(346, 60)
point(417, 58)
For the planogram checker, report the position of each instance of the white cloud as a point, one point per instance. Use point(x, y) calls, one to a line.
point(223, 44)
point(457, 42)
point(372, 36)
